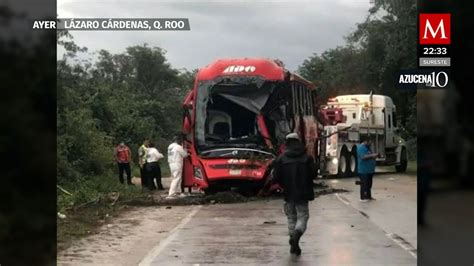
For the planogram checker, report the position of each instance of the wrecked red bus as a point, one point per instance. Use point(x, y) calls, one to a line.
point(236, 118)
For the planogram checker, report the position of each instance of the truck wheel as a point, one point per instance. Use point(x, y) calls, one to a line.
point(353, 163)
point(402, 167)
point(343, 166)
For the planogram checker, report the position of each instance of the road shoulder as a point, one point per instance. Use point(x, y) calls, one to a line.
point(127, 239)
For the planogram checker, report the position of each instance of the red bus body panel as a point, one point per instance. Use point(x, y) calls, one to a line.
point(235, 169)
point(267, 69)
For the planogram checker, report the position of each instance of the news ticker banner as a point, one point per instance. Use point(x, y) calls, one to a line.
point(113, 24)
point(434, 40)
point(434, 58)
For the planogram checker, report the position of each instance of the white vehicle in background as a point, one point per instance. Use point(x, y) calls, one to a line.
point(354, 116)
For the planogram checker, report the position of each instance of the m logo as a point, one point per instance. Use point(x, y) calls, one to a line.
point(234, 69)
point(435, 29)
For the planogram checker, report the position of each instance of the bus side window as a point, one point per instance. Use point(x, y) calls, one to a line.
point(389, 121)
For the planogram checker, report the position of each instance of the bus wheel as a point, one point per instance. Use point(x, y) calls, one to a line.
point(342, 170)
point(353, 163)
point(402, 167)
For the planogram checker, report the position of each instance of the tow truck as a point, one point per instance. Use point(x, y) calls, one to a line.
point(345, 119)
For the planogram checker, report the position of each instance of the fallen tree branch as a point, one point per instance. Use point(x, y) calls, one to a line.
point(97, 200)
point(135, 199)
point(63, 190)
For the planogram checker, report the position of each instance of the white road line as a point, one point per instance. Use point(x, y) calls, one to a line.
point(394, 237)
point(162, 245)
point(344, 200)
point(403, 244)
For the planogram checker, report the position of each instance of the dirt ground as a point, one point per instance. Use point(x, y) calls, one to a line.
point(128, 237)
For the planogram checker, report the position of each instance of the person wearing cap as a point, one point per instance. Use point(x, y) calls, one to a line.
point(294, 171)
point(123, 157)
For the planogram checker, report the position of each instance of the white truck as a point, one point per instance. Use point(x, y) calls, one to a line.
point(362, 114)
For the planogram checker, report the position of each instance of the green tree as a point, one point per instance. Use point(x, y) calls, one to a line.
point(336, 71)
point(127, 97)
point(374, 53)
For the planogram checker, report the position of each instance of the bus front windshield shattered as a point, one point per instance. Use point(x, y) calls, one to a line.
point(230, 124)
point(228, 115)
point(247, 112)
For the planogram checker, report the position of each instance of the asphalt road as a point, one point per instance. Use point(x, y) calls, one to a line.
point(341, 231)
point(395, 207)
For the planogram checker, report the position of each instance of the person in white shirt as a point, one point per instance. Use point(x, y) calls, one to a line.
point(176, 155)
point(153, 170)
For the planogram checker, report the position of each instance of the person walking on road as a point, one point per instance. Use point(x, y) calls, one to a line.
point(123, 157)
point(294, 171)
point(365, 168)
point(153, 170)
point(142, 161)
point(176, 155)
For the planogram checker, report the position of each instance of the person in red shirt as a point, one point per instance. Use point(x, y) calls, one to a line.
point(123, 156)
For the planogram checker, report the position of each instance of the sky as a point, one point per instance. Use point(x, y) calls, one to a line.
point(289, 31)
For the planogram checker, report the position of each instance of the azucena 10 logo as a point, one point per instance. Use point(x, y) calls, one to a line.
point(432, 80)
point(435, 28)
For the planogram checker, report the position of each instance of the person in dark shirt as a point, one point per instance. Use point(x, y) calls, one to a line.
point(294, 171)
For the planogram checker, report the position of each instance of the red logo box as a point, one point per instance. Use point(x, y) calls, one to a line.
point(435, 28)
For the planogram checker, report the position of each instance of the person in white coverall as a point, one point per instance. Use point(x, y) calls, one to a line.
point(176, 155)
